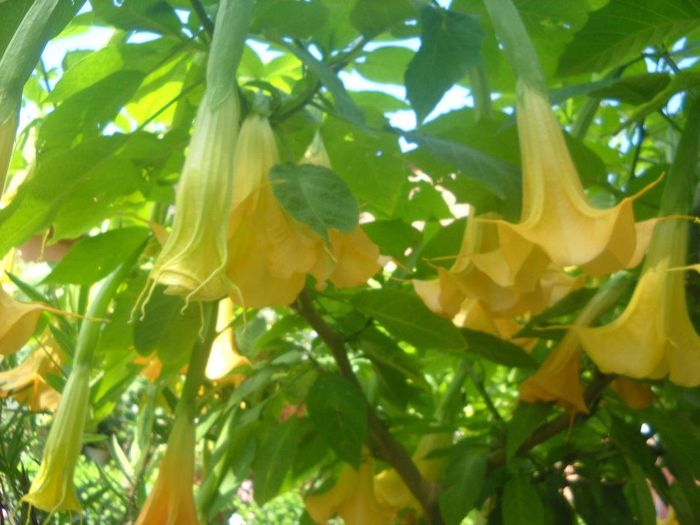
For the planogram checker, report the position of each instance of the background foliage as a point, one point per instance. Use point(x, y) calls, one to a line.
point(413, 101)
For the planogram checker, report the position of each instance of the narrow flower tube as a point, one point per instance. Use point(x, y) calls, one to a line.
point(193, 259)
point(171, 500)
point(52, 489)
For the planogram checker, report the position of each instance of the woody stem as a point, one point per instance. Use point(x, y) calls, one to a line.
point(382, 443)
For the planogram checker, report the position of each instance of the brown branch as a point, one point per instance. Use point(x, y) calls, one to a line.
point(382, 443)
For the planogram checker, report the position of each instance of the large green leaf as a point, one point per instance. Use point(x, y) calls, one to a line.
point(526, 418)
point(623, 28)
point(464, 481)
point(339, 412)
point(372, 17)
point(274, 457)
point(288, 18)
point(497, 350)
point(93, 258)
point(315, 196)
point(521, 502)
point(406, 317)
point(450, 45)
point(370, 163)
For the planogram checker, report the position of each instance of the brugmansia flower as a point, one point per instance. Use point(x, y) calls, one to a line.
point(52, 489)
point(634, 394)
point(352, 498)
point(390, 488)
point(558, 380)
point(171, 501)
point(507, 274)
point(270, 253)
point(27, 384)
point(17, 322)
point(556, 214)
point(223, 357)
point(193, 260)
point(653, 336)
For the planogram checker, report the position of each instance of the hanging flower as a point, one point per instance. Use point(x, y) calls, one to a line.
point(27, 381)
point(193, 260)
point(507, 274)
point(52, 489)
point(171, 500)
point(653, 336)
point(270, 253)
point(224, 358)
point(556, 214)
point(392, 491)
point(634, 394)
point(18, 321)
point(352, 498)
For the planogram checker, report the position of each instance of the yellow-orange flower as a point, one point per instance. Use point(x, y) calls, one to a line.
point(352, 498)
point(193, 259)
point(634, 394)
point(270, 253)
point(653, 336)
point(52, 489)
point(17, 322)
point(171, 500)
point(556, 214)
point(27, 381)
point(224, 358)
point(392, 491)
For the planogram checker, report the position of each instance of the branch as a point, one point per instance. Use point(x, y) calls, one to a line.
point(383, 444)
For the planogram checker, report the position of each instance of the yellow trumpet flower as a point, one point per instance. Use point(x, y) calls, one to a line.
point(52, 489)
point(27, 384)
point(270, 253)
point(18, 321)
point(193, 259)
point(352, 498)
point(556, 214)
point(171, 500)
point(634, 394)
point(223, 357)
point(653, 336)
point(392, 491)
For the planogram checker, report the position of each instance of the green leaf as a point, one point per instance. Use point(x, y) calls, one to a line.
point(497, 350)
point(166, 329)
point(464, 481)
point(640, 495)
point(315, 196)
point(372, 17)
point(407, 318)
point(386, 64)
point(149, 15)
point(680, 437)
point(498, 177)
point(636, 89)
point(38, 200)
point(370, 163)
point(623, 28)
point(450, 45)
point(526, 418)
point(339, 412)
point(288, 18)
point(274, 457)
point(521, 502)
point(93, 258)
point(11, 14)
point(393, 237)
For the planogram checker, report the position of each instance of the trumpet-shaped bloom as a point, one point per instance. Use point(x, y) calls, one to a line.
point(634, 394)
point(270, 253)
point(506, 282)
point(352, 498)
point(17, 322)
point(390, 488)
point(27, 384)
point(52, 489)
point(557, 380)
point(653, 336)
point(193, 259)
point(171, 500)
point(223, 357)
point(556, 214)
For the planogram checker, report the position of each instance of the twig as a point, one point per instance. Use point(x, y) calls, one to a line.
point(479, 384)
point(203, 17)
point(382, 442)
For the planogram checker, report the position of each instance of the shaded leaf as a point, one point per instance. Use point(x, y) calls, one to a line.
point(497, 350)
point(274, 457)
point(521, 502)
